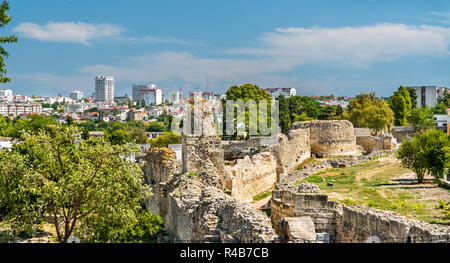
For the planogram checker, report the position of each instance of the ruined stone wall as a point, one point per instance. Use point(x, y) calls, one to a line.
point(400, 132)
point(331, 138)
point(350, 224)
point(251, 176)
point(194, 212)
point(356, 224)
point(202, 151)
point(291, 150)
point(290, 203)
point(160, 166)
point(376, 143)
point(233, 150)
point(204, 155)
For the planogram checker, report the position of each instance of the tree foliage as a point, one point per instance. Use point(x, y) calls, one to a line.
point(244, 94)
point(4, 20)
point(422, 119)
point(366, 110)
point(400, 104)
point(166, 139)
point(427, 154)
point(413, 96)
point(80, 186)
point(298, 108)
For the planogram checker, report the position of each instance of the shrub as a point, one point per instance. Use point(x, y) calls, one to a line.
point(348, 201)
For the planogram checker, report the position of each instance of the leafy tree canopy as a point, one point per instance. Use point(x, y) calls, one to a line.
point(86, 188)
point(427, 154)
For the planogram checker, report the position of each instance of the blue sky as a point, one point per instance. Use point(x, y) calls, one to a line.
point(319, 47)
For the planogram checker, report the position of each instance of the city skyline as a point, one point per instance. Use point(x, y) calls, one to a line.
point(319, 47)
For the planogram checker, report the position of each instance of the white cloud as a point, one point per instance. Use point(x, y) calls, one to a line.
point(272, 60)
point(158, 40)
point(283, 50)
point(75, 32)
point(358, 46)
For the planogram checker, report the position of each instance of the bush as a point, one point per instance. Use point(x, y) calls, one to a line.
point(348, 201)
point(442, 204)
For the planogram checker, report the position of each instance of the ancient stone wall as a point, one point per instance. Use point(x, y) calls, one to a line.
point(204, 155)
point(350, 224)
point(251, 176)
point(160, 166)
point(233, 150)
point(401, 132)
point(331, 138)
point(202, 151)
point(356, 224)
point(291, 150)
point(290, 203)
point(195, 212)
point(376, 143)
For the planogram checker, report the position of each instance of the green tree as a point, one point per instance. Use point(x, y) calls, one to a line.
point(440, 108)
point(85, 134)
point(400, 104)
point(5, 126)
point(377, 117)
point(118, 137)
point(156, 127)
point(422, 119)
point(285, 116)
point(4, 20)
point(427, 154)
point(69, 120)
point(445, 100)
point(245, 93)
point(166, 139)
point(75, 184)
point(413, 96)
point(33, 124)
point(138, 135)
point(366, 110)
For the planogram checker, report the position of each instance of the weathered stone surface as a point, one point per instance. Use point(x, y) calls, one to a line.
point(251, 176)
point(195, 212)
point(291, 150)
point(331, 138)
point(376, 143)
point(308, 188)
point(160, 165)
point(297, 230)
point(233, 150)
point(202, 152)
point(348, 223)
point(357, 224)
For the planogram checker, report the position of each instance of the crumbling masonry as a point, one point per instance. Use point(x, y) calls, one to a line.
point(203, 200)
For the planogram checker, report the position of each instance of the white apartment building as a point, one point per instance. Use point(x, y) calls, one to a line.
point(104, 89)
point(286, 92)
point(137, 95)
point(151, 96)
point(17, 109)
point(76, 95)
point(429, 95)
point(78, 107)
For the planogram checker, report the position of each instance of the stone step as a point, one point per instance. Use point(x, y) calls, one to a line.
point(211, 238)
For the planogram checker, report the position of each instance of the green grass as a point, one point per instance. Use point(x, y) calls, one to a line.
point(372, 184)
point(262, 196)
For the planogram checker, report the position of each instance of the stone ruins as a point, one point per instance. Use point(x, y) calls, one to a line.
point(206, 197)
